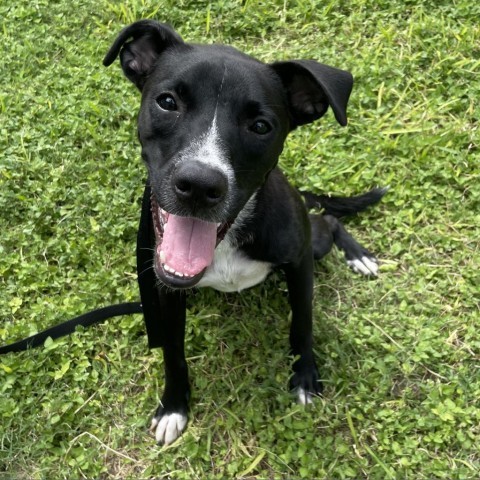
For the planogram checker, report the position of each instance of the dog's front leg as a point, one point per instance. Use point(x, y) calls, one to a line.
point(305, 381)
point(170, 419)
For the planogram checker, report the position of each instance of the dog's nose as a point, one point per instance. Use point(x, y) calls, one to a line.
point(195, 182)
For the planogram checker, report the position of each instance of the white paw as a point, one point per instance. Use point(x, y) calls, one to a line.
point(365, 265)
point(168, 427)
point(304, 397)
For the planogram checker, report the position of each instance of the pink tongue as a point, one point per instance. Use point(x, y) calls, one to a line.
point(188, 244)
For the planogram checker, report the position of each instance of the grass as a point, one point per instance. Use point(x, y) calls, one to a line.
point(399, 355)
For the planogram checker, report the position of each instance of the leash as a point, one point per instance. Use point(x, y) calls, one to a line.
point(85, 320)
point(147, 280)
point(149, 305)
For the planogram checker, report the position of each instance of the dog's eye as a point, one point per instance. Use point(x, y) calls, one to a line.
point(261, 127)
point(167, 102)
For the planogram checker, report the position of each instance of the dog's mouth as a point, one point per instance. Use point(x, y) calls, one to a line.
point(184, 246)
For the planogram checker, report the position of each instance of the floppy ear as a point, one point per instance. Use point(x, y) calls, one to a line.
point(311, 87)
point(139, 46)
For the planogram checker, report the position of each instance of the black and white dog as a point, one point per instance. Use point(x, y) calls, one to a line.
point(217, 211)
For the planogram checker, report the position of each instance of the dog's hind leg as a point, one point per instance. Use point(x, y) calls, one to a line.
point(322, 236)
point(328, 230)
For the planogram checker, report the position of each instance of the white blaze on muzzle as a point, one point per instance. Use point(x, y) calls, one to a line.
point(188, 244)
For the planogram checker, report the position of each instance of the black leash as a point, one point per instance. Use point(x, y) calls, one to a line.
point(85, 320)
point(149, 306)
point(147, 280)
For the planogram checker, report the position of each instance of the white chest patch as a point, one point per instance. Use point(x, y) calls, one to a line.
point(232, 271)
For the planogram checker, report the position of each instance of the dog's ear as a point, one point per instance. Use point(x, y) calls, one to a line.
point(311, 87)
point(139, 45)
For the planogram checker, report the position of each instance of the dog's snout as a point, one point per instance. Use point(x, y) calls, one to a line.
point(194, 182)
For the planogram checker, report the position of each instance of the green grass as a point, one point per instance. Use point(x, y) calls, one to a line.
point(399, 355)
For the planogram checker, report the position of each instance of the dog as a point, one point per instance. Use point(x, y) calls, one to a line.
point(217, 211)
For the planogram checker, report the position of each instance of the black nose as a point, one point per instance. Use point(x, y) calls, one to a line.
point(197, 183)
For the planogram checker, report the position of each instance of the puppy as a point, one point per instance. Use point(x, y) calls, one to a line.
point(217, 211)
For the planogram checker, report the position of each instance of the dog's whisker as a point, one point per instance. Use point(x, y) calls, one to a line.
point(147, 269)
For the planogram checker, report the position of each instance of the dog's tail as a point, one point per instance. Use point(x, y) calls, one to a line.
point(342, 206)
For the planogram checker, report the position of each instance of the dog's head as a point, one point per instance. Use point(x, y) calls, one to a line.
point(212, 125)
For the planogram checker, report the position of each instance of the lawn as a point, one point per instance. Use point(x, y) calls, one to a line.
point(399, 355)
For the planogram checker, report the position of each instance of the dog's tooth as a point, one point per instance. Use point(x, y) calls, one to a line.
point(162, 256)
point(171, 270)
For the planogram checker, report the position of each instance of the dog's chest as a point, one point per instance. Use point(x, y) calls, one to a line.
point(232, 271)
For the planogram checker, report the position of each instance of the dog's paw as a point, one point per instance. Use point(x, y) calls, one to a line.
point(366, 265)
point(304, 397)
point(306, 385)
point(167, 427)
